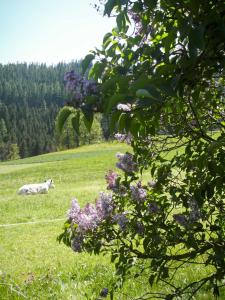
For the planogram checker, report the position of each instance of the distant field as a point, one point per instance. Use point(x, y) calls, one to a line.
point(32, 263)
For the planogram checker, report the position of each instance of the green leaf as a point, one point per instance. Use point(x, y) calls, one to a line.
point(124, 122)
point(91, 99)
point(86, 62)
point(106, 37)
point(109, 7)
point(114, 100)
point(142, 93)
point(113, 121)
point(97, 70)
point(76, 123)
point(196, 37)
point(134, 127)
point(88, 117)
point(140, 83)
point(151, 279)
point(63, 116)
point(121, 22)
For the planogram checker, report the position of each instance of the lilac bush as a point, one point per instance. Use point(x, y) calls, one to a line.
point(163, 84)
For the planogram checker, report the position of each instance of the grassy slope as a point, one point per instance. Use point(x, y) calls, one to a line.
point(32, 250)
point(32, 263)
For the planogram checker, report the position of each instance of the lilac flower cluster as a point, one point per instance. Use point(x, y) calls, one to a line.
point(126, 162)
point(195, 213)
point(123, 138)
point(91, 215)
point(77, 243)
point(181, 219)
point(72, 80)
point(153, 208)
point(111, 178)
point(104, 292)
point(104, 205)
point(121, 220)
point(80, 86)
point(138, 193)
point(137, 21)
point(124, 107)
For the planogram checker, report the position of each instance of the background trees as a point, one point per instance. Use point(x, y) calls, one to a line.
point(161, 79)
point(30, 98)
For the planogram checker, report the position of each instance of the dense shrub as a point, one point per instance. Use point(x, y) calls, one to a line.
point(160, 78)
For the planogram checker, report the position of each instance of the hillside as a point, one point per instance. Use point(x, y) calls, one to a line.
point(30, 97)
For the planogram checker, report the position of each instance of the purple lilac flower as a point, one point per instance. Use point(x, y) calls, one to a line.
point(121, 220)
point(111, 178)
point(77, 243)
point(123, 138)
point(138, 193)
point(195, 213)
point(74, 210)
point(72, 80)
point(80, 86)
point(89, 87)
point(181, 219)
point(104, 205)
point(124, 107)
point(153, 208)
point(126, 162)
point(88, 218)
point(140, 228)
point(104, 292)
point(152, 184)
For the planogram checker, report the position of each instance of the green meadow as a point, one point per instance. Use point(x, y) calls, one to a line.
point(33, 265)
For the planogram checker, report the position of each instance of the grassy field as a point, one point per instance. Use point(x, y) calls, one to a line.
point(32, 263)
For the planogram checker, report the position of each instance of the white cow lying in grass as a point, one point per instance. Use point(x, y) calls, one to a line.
point(36, 188)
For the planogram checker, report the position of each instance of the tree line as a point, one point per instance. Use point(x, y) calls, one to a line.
point(31, 95)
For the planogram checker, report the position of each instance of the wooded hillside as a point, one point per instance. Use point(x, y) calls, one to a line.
point(30, 97)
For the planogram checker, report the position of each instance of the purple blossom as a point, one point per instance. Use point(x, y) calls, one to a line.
point(72, 80)
point(77, 243)
point(104, 292)
point(124, 107)
point(152, 184)
point(121, 220)
point(181, 219)
point(89, 87)
point(153, 208)
point(80, 86)
point(126, 162)
point(195, 213)
point(104, 205)
point(111, 178)
point(140, 228)
point(123, 138)
point(88, 218)
point(91, 215)
point(138, 193)
point(74, 210)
